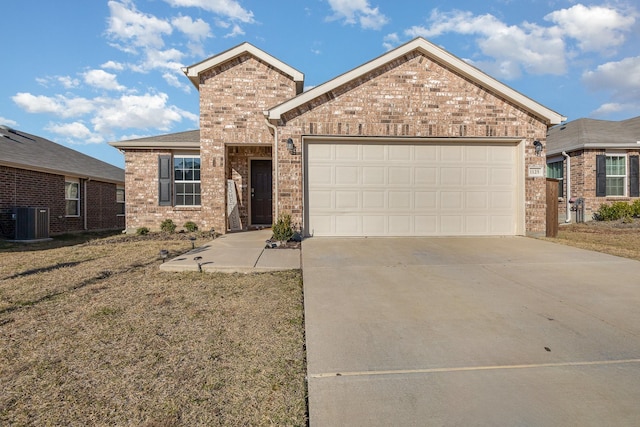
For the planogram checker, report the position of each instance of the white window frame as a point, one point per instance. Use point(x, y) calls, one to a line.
point(120, 203)
point(624, 176)
point(67, 197)
point(177, 182)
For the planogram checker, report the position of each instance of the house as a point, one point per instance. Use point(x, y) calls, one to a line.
point(596, 162)
point(71, 191)
point(416, 142)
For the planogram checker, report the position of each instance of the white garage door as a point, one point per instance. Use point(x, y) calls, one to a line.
point(417, 189)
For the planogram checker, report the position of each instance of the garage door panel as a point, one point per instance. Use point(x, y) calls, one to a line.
point(346, 152)
point(399, 176)
point(400, 225)
point(346, 200)
point(347, 224)
point(374, 175)
point(321, 200)
point(399, 200)
point(451, 176)
point(346, 175)
point(426, 200)
point(399, 152)
point(376, 189)
point(373, 152)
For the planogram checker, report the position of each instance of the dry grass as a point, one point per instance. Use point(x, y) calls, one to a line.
point(94, 334)
point(611, 237)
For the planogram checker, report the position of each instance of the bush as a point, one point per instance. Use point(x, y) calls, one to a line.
point(282, 229)
point(141, 231)
point(190, 226)
point(614, 211)
point(635, 208)
point(168, 226)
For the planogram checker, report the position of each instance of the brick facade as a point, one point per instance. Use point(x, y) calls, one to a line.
point(412, 96)
point(583, 183)
point(27, 188)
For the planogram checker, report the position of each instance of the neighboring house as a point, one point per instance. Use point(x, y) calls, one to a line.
point(73, 191)
point(416, 142)
point(596, 162)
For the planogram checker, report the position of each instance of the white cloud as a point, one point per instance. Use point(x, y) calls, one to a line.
point(510, 50)
point(622, 80)
point(235, 31)
point(173, 80)
point(197, 30)
point(357, 11)
point(76, 132)
point(67, 82)
point(149, 111)
point(136, 29)
point(102, 80)
point(390, 41)
point(59, 105)
point(8, 122)
point(596, 28)
point(228, 8)
point(611, 108)
point(622, 77)
point(513, 49)
point(113, 65)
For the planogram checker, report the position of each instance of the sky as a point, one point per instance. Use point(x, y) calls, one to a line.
point(84, 73)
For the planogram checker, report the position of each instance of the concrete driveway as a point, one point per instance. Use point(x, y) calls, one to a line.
point(470, 332)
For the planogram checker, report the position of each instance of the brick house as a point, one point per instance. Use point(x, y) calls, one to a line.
point(74, 192)
point(414, 142)
point(596, 162)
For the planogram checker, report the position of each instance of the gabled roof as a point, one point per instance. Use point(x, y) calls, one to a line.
point(437, 54)
point(25, 151)
point(596, 134)
point(187, 139)
point(194, 71)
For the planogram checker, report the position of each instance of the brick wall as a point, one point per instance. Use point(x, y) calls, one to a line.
point(583, 183)
point(411, 97)
point(141, 183)
point(25, 188)
point(233, 98)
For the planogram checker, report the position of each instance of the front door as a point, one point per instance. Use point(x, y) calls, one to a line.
point(261, 199)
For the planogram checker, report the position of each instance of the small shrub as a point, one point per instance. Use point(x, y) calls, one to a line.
point(141, 231)
point(635, 208)
point(190, 226)
point(614, 211)
point(168, 226)
point(282, 229)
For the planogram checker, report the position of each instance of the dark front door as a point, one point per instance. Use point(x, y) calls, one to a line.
point(261, 192)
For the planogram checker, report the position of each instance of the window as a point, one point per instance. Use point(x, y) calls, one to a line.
point(556, 170)
point(186, 176)
point(120, 200)
point(72, 197)
point(616, 175)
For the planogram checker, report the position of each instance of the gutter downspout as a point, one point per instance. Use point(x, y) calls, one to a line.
point(568, 198)
point(277, 167)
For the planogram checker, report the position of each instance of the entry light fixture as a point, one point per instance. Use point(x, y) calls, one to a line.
point(538, 146)
point(290, 147)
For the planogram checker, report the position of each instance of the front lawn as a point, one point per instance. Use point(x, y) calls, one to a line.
point(94, 334)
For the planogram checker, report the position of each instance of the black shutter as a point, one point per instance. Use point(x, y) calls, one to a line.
point(634, 181)
point(601, 175)
point(164, 180)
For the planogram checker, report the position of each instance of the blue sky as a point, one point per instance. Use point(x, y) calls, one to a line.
point(83, 73)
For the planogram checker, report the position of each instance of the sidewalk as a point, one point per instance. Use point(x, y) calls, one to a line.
point(242, 252)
